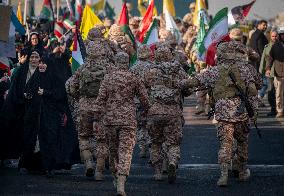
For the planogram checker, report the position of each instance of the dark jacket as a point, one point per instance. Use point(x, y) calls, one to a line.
point(258, 42)
point(275, 61)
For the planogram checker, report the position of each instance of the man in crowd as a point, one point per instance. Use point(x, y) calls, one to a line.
point(259, 40)
point(267, 80)
point(275, 68)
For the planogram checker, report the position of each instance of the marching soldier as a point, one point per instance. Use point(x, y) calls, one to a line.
point(115, 103)
point(164, 120)
point(230, 111)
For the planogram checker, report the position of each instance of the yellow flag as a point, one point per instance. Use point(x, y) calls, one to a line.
point(142, 8)
point(199, 7)
point(89, 20)
point(168, 5)
point(100, 5)
point(19, 12)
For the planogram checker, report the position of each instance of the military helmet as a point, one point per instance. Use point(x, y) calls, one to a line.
point(236, 34)
point(232, 50)
point(143, 52)
point(115, 31)
point(96, 32)
point(95, 49)
point(122, 60)
point(163, 54)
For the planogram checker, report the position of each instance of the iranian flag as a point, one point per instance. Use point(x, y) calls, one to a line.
point(46, 11)
point(68, 24)
point(58, 29)
point(152, 36)
point(146, 22)
point(218, 31)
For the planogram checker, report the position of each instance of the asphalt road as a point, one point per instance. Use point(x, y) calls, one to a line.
point(197, 173)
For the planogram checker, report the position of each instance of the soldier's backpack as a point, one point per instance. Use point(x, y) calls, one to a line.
point(163, 89)
point(90, 79)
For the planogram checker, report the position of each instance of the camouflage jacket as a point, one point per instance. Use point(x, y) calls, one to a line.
point(116, 98)
point(231, 56)
point(164, 94)
point(229, 109)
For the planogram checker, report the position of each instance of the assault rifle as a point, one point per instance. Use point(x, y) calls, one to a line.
point(244, 98)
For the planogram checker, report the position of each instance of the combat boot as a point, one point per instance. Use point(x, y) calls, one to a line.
point(99, 176)
point(244, 175)
point(172, 173)
point(120, 185)
point(223, 180)
point(158, 173)
point(88, 159)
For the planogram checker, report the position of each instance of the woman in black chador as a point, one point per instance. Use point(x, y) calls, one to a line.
point(49, 138)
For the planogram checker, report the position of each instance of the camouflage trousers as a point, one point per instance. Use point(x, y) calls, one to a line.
point(166, 136)
point(93, 140)
point(227, 133)
point(143, 138)
point(101, 146)
point(121, 144)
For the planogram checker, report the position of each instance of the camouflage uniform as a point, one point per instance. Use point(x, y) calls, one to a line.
point(142, 64)
point(116, 102)
point(164, 116)
point(121, 40)
point(229, 110)
point(84, 86)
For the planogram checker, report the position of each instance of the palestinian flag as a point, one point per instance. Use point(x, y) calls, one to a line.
point(146, 22)
point(58, 29)
point(46, 11)
point(218, 31)
point(78, 52)
point(239, 13)
point(124, 24)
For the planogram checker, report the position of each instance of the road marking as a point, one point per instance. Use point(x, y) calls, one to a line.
point(211, 166)
point(196, 166)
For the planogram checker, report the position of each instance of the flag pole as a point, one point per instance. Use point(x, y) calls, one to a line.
point(25, 11)
point(57, 9)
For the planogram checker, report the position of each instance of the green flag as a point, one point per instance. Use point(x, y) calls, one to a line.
point(201, 33)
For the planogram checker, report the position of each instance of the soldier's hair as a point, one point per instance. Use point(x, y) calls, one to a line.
point(261, 22)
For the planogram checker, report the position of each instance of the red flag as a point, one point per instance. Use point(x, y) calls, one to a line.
point(123, 19)
point(211, 51)
point(146, 21)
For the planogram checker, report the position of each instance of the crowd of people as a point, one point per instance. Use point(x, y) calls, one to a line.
point(52, 119)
